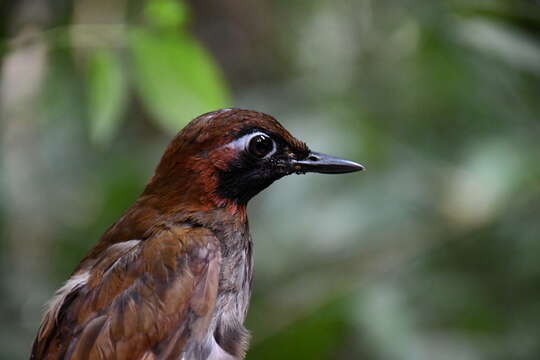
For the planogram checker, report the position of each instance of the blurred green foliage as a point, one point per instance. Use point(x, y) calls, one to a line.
point(433, 253)
point(179, 82)
point(106, 94)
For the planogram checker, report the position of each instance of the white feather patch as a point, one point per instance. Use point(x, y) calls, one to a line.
point(218, 353)
point(73, 283)
point(241, 143)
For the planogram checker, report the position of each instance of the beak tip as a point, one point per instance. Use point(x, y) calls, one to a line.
point(354, 167)
point(360, 167)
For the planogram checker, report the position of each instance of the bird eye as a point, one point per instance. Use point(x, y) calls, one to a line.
point(261, 145)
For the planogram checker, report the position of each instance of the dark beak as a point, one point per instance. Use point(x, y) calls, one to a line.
point(325, 164)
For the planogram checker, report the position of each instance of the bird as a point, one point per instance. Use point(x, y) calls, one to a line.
point(172, 278)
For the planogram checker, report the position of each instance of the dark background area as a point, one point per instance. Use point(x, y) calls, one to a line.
point(433, 253)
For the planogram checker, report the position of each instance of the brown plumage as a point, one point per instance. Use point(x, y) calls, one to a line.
point(171, 279)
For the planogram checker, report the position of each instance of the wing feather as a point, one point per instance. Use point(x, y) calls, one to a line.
point(142, 300)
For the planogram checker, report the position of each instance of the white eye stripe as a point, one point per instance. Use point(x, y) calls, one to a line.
point(243, 142)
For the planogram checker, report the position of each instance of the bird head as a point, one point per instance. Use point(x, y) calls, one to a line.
point(224, 158)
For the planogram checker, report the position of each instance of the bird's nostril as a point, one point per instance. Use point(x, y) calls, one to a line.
point(313, 158)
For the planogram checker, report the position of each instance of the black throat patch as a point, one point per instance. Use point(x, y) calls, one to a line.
point(245, 178)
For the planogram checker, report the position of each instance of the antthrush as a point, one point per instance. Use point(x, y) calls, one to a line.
point(171, 279)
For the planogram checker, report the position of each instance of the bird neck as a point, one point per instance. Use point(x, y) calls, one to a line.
point(152, 213)
point(191, 182)
point(182, 190)
point(197, 195)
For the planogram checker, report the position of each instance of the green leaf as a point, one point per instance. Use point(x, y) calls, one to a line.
point(165, 13)
point(106, 94)
point(176, 79)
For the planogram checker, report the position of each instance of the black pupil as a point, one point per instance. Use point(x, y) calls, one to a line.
point(260, 145)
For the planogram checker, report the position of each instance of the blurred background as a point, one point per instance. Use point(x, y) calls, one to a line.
point(433, 253)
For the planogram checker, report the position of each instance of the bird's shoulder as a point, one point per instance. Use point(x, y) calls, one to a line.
point(136, 298)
